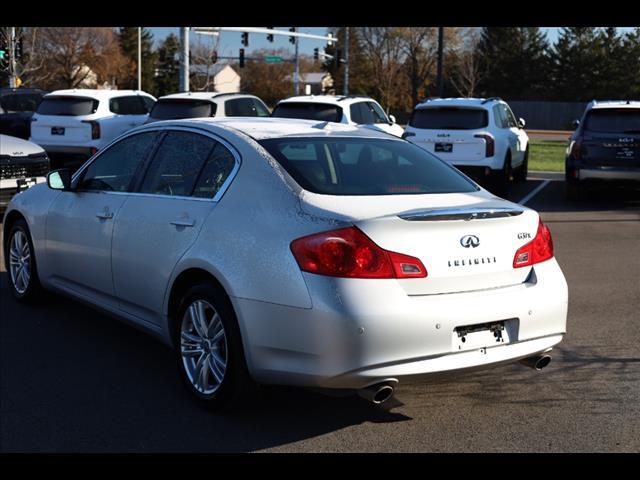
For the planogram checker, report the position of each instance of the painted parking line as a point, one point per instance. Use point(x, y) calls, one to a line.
point(534, 192)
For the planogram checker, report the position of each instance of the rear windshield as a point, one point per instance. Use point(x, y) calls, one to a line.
point(621, 120)
point(23, 102)
point(70, 106)
point(449, 118)
point(308, 111)
point(178, 108)
point(365, 166)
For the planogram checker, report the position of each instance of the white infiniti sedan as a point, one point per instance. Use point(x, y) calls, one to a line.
point(279, 251)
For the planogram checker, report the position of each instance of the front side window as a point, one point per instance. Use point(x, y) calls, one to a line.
point(449, 118)
point(67, 106)
point(176, 165)
point(115, 168)
point(308, 111)
point(378, 114)
point(508, 114)
point(364, 166)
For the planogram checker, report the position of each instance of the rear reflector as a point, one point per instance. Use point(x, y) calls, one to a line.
point(536, 251)
point(348, 252)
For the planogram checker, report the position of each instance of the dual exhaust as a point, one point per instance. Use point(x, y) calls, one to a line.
point(381, 392)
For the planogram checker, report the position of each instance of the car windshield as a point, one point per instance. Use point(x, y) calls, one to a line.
point(22, 102)
point(364, 166)
point(613, 120)
point(178, 108)
point(68, 106)
point(308, 111)
point(449, 118)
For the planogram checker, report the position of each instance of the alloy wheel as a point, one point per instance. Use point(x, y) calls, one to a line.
point(20, 262)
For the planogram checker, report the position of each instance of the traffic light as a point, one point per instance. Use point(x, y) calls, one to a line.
point(270, 36)
point(316, 54)
point(214, 56)
point(241, 58)
point(292, 39)
point(245, 39)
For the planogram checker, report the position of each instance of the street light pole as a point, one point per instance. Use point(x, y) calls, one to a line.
point(440, 50)
point(184, 59)
point(12, 58)
point(139, 58)
point(346, 61)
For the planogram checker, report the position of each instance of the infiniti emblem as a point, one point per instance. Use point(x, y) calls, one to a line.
point(469, 241)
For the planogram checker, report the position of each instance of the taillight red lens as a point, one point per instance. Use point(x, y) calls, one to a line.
point(536, 251)
point(489, 144)
point(95, 128)
point(347, 252)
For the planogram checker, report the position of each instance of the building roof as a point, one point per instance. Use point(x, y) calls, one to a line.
point(261, 128)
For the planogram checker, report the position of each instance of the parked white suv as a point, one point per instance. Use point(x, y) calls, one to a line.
point(82, 121)
point(351, 110)
point(207, 104)
point(479, 136)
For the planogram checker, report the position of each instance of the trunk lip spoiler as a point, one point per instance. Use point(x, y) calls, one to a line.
point(469, 213)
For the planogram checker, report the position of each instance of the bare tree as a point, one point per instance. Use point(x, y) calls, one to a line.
point(383, 49)
point(202, 55)
point(419, 45)
point(28, 66)
point(466, 70)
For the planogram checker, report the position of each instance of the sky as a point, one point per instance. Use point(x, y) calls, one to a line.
point(230, 41)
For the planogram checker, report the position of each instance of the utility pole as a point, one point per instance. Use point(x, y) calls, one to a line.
point(296, 74)
point(184, 59)
point(440, 50)
point(12, 58)
point(346, 61)
point(139, 58)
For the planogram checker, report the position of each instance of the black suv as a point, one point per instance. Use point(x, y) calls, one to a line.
point(16, 108)
point(604, 147)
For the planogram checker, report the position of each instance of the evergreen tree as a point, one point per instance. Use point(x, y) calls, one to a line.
point(577, 64)
point(630, 58)
point(167, 74)
point(128, 37)
point(514, 63)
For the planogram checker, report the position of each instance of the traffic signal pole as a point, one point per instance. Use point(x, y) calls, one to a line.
point(12, 58)
point(184, 59)
point(296, 73)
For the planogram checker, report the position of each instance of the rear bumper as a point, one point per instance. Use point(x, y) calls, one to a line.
point(610, 173)
point(361, 332)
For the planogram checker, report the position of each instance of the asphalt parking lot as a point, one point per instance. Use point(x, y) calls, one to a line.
point(73, 380)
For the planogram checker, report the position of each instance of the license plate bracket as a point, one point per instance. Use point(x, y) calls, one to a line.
point(483, 335)
point(57, 130)
point(444, 147)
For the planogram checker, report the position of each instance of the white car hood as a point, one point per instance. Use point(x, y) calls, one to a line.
point(17, 147)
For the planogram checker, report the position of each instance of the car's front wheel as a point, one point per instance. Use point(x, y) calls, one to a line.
point(21, 264)
point(209, 349)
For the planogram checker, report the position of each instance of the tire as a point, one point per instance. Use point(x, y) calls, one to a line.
point(503, 177)
point(521, 175)
point(225, 380)
point(21, 264)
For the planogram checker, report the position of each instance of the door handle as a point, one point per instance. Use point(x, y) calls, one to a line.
point(183, 223)
point(104, 215)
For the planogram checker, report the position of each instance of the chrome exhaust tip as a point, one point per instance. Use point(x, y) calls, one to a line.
point(378, 393)
point(537, 362)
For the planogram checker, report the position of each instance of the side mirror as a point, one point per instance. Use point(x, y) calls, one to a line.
point(576, 123)
point(521, 122)
point(59, 179)
point(392, 118)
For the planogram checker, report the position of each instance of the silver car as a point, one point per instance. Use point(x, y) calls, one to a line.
point(280, 251)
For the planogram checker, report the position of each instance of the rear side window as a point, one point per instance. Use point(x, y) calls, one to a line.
point(182, 108)
point(365, 166)
point(612, 120)
point(176, 165)
point(245, 107)
point(131, 105)
point(68, 106)
point(20, 102)
point(215, 172)
point(308, 111)
point(449, 118)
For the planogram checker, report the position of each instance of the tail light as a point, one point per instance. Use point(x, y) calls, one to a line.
point(95, 128)
point(575, 149)
point(536, 251)
point(347, 252)
point(489, 144)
